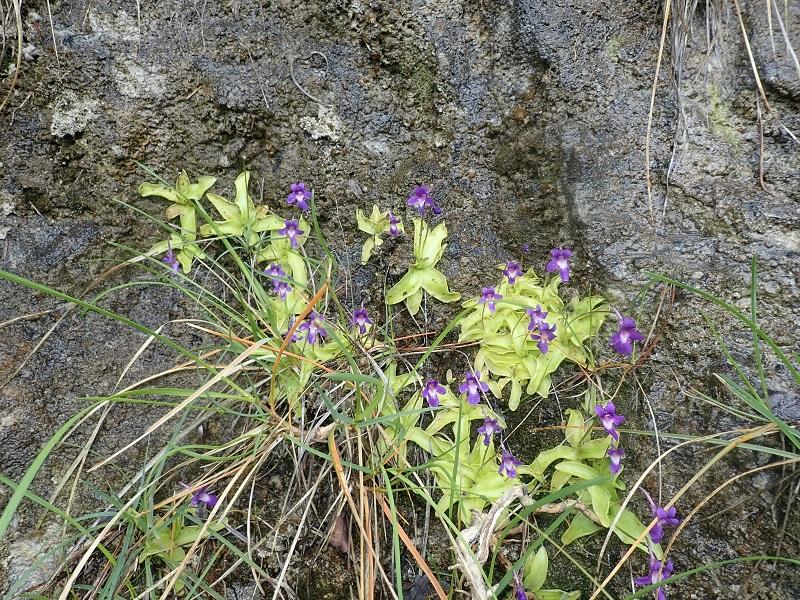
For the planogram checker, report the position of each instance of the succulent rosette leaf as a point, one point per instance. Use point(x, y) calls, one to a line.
point(185, 250)
point(184, 196)
point(375, 226)
point(529, 334)
point(422, 275)
point(240, 216)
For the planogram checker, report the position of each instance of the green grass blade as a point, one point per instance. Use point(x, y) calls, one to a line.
point(26, 480)
point(753, 315)
point(396, 556)
point(738, 314)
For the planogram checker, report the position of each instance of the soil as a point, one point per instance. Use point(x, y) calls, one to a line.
point(529, 121)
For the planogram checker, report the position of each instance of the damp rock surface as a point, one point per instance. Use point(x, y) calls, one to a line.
point(529, 120)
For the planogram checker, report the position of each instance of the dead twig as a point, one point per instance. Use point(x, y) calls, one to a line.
point(760, 145)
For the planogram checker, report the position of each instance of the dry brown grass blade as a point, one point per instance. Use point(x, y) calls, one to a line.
point(36, 347)
point(65, 593)
point(661, 45)
point(28, 317)
point(743, 438)
point(68, 308)
point(785, 34)
point(249, 342)
point(336, 459)
point(77, 468)
point(238, 472)
point(718, 489)
point(769, 26)
point(150, 339)
point(412, 549)
point(18, 18)
point(235, 473)
point(53, 34)
point(640, 480)
point(754, 68)
point(233, 367)
point(369, 564)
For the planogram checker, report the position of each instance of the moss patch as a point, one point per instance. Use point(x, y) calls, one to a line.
point(719, 116)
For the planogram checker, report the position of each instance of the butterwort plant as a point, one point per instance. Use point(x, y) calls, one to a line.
point(609, 419)
point(181, 247)
point(422, 275)
point(240, 217)
point(488, 429)
point(529, 581)
point(422, 200)
point(665, 517)
point(525, 331)
point(488, 297)
point(361, 320)
point(299, 196)
point(658, 572)
point(469, 471)
point(559, 262)
point(376, 225)
point(583, 457)
point(473, 387)
point(523, 328)
point(433, 389)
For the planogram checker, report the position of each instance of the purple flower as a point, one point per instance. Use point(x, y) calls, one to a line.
point(431, 392)
point(622, 340)
point(291, 324)
point(559, 261)
point(201, 497)
point(274, 270)
point(616, 453)
point(526, 247)
point(512, 271)
point(667, 517)
point(473, 386)
point(291, 229)
point(281, 288)
point(489, 296)
point(519, 587)
point(537, 317)
point(314, 328)
point(509, 464)
point(170, 259)
point(361, 320)
point(421, 199)
point(394, 230)
point(300, 196)
point(657, 574)
point(544, 335)
point(489, 427)
point(609, 419)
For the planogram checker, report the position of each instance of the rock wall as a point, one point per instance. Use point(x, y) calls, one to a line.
point(528, 119)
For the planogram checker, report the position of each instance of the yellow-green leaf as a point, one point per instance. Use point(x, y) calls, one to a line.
point(536, 570)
